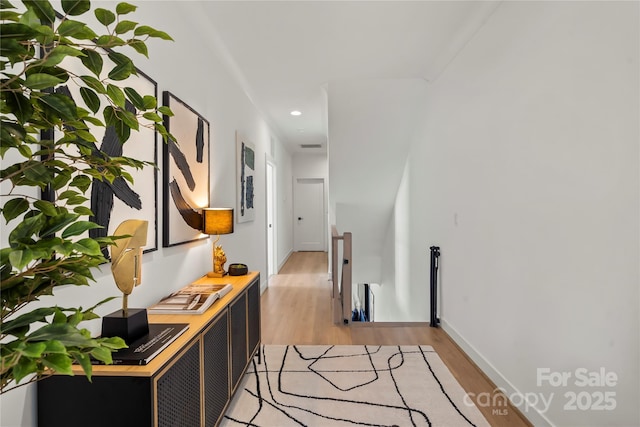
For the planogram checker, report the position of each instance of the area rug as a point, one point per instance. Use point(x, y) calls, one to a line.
point(350, 385)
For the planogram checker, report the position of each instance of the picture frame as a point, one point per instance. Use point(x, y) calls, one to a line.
point(186, 172)
point(113, 203)
point(246, 171)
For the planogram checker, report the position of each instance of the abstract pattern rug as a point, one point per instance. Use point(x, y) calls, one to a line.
point(350, 386)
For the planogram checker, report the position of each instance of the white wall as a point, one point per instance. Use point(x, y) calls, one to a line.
point(284, 168)
point(191, 69)
point(310, 165)
point(527, 176)
point(398, 299)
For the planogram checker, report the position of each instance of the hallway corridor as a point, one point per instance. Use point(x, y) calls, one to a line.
point(296, 309)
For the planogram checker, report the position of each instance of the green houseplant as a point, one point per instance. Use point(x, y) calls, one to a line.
point(46, 244)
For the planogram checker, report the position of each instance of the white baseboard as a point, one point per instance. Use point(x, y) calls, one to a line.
point(284, 261)
point(536, 417)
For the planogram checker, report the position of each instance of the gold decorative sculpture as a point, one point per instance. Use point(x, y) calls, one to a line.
point(126, 257)
point(219, 259)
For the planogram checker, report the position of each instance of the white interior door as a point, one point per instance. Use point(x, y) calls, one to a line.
point(272, 267)
point(309, 214)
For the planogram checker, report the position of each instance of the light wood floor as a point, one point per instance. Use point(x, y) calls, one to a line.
point(296, 309)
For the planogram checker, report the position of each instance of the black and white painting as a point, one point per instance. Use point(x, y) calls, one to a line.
point(113, 203)
point(246, 158)
point(186, 173)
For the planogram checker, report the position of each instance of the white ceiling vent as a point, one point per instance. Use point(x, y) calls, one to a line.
point(310, 145)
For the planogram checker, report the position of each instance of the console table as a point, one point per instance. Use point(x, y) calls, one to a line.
point(189, 384)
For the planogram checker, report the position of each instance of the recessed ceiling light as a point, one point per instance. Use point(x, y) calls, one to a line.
point(295, 113)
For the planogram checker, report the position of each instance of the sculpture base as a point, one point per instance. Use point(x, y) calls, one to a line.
point(214, 274)
point(130, 326)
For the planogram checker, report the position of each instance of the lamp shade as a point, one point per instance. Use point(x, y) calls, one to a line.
point(217, 221)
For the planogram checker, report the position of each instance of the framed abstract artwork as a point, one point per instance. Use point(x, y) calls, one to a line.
point(113, 203)
point(185, 172)
point(246, 158)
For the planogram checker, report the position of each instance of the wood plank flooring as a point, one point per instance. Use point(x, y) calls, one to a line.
point(296, 309)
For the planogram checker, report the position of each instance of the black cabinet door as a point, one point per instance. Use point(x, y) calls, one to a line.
point(216, 369)
point(105, 402)
point(178, 391)
point(238, 339)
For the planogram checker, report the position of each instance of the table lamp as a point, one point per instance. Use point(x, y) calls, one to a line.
point(217, 221)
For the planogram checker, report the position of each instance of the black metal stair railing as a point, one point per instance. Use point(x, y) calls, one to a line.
point(433, 279)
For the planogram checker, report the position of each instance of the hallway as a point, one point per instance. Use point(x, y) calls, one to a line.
point(296, 309)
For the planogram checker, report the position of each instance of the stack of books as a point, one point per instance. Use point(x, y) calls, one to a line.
point(145, 348)
point(192, 299)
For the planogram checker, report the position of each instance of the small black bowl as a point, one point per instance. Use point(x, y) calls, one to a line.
point(238, 269)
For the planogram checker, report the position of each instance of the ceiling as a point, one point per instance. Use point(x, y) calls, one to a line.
point(286, 54)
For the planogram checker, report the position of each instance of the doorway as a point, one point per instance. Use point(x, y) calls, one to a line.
point(309, 232)
point(272, 245)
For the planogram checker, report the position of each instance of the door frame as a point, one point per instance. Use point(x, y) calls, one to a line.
point(324, 209)
point(271, 201)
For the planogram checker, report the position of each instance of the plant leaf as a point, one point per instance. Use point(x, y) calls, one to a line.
point(88, 247)
point(124, 8)
point(57, 223)
point(16, 31)
point(25, 150)
point(93, 61)
point(14, 208)
point(152, 116)
point(55, 346)
point(26, 229)
point(34, 350)
point(63, 332)
point(165, 110)
point(23, 368)
point(26, 319)
point(116, 95)
point(94, 84)
point(139, 46)
point(46, 207)
point(76, 7)
point(114, 343)
point(43, 9)
point(21, 258)
point(125, 26)
point(78, 228)
point(19, 105)
point(90, 98)
point(59, 53)
point(69, 28)
point(145, 30)
point(123, 68)
point(61, 105)
point(150, 102)
point(85, 362)
point(135, 98)
point(104, 16)
point(60, 363)
point(5, 4)
point(109, 41)
point(42, 81)
point(129, 119)
point(83, 210)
